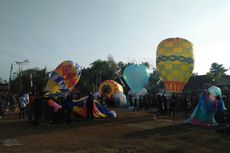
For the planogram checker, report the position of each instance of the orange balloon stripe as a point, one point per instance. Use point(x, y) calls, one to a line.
point(173, 86)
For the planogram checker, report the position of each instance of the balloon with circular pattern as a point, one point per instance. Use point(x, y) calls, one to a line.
point(110, 87)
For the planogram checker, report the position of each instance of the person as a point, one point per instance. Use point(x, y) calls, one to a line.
point(27, 100)
point(165, 104)
point(30, 107)
point(1, 108)
point(37, 109)
point(130, 100)
point(89, 106)
point(141, 102)
point(147, 101)
point(22, 106)
point(220, 113)
point(185, 103)
point(11, 102)
point(159, 104)
point(68, 108)
point(172, 106)
point(135, 104)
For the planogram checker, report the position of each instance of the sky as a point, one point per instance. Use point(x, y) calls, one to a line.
point(47, 32)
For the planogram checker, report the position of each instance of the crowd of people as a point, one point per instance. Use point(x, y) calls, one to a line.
point(164, 104)
point(35, 109)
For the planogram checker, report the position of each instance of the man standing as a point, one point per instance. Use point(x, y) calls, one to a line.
point(90, 105)
point(68, 108)
point(172, 106)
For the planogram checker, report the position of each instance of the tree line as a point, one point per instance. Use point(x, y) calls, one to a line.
point(35, 79)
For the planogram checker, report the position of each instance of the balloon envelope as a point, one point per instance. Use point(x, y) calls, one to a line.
point(175, 63)
point(215, 91)
point(55, 105)
point(120, 100)
point(136, 76)
point(110, 87)
point(64, 78)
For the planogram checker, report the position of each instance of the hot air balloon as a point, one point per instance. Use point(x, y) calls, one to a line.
point(175, 63)
point(120, 100)
point(110, 87)
point(136, 76)
point(64, 78)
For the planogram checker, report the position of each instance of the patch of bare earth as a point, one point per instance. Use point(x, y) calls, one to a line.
point(129, 132)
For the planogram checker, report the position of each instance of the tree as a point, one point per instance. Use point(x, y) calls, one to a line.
point(34, 79)
point(154, 81)
point(98, 71)
point(216, 71)
point(147, 64)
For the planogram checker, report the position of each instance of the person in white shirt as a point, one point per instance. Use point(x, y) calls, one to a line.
point(22, 106)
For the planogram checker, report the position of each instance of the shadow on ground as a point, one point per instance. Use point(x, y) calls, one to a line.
point(170, 130)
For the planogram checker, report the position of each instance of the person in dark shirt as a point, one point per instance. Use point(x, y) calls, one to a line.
point(37, 109)
point(165, 104)
point(68, 108)
point(89, 106)
point(172, 105)
point(135, 104)
point(30, 107)
point(147, 101)
point(130, 100)
point(141, 102)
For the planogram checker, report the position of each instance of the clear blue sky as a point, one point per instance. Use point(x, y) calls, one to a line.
point(49, 31)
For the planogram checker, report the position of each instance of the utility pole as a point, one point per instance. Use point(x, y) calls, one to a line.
point(20, 66)
point(9, 83)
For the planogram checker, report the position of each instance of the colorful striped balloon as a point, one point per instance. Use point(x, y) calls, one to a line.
point(64, 78)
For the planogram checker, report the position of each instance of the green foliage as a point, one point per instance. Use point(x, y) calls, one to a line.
point(98, 71)
point(154, 81)
point(101, 70)
point(91, 77)
point(38, 77)
point(216, 72)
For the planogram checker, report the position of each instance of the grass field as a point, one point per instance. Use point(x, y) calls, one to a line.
point(129, 132)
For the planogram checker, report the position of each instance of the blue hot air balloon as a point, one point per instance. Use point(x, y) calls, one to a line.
point(136, 76)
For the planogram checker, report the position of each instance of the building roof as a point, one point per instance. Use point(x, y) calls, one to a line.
point(223, 81)
point(196, 83)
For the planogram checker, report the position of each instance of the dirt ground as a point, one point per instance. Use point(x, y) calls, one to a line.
point(129, 132)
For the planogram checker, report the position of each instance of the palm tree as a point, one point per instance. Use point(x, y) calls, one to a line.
point(217, 71)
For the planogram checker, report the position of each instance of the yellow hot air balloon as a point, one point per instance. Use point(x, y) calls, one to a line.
point(175, 63)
